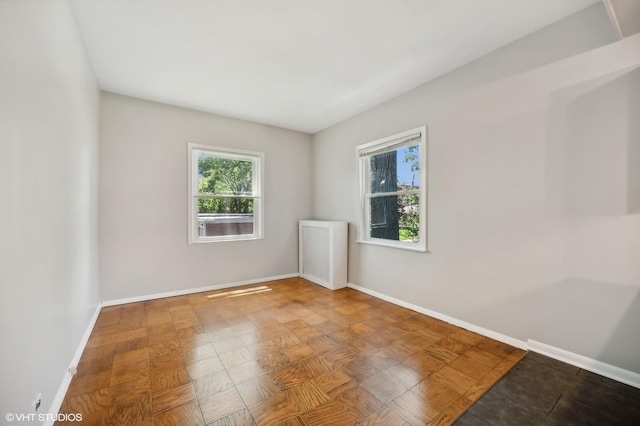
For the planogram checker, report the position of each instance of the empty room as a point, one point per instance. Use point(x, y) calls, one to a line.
point(315, 212)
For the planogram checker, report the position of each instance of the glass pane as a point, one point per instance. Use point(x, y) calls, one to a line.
point(223, 176)
point(225, 216)
point(397, 170)
point(409, 220)
point(395, 218)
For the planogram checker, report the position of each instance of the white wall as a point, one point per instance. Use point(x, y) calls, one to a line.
point(501, 234)
point(600, 164)
point(48, 192)
point(143, 199)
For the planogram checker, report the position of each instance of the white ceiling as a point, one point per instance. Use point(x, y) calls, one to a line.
point(298, 64)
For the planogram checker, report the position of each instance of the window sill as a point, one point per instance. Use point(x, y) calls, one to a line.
point(402, 246)
point(225, 240)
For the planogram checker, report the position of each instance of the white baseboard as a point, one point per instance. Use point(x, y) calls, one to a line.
point(598, 367)
point(66, 380)
point(607, 370)
point(459, 323)
point(194, 290)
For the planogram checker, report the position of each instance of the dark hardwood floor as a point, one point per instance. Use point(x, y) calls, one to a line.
point(543, 391)
point(283, 352)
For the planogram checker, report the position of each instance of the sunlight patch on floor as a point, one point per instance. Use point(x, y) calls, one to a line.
point(242, 292)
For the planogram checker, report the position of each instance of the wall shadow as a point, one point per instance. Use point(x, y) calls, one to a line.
point(633, 152)
point(594, 319)
point(600, 151)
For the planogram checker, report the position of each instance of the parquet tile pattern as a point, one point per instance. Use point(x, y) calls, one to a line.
point(291, 353)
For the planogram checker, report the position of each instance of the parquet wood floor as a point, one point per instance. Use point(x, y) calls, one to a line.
point(286, 352)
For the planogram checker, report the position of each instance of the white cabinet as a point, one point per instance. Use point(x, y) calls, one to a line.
point(323, 252)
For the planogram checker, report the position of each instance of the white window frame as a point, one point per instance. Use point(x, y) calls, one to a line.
point(364, 153)
point(257, 159)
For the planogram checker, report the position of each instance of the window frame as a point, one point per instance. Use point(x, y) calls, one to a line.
point(257, 195)
point(364, 153)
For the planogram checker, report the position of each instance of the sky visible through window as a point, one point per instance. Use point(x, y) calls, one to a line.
point(405, 175)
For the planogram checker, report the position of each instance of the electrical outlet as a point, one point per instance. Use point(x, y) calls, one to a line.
point(36, 403)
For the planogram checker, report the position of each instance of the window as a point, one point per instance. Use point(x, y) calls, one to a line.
point(393, 198)
point(225, 194)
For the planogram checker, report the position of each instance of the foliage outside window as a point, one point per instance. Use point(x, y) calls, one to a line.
point(393, 191)
point(225, 196)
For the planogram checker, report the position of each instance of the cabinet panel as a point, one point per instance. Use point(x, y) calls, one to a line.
point(323, 252)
